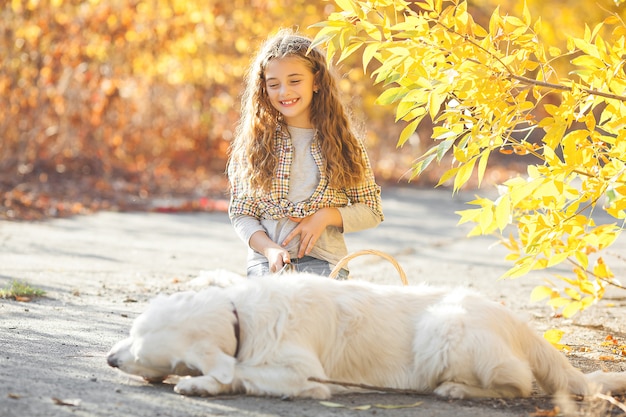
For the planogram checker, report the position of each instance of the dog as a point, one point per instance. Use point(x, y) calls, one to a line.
point(268, 336)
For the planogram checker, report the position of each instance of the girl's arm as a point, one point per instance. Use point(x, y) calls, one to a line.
point(365, 209)
point(311, 228)
point(359, 216)
point(276, 255)
point(251, 232)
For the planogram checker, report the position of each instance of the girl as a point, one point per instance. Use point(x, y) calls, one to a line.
point(299, 178)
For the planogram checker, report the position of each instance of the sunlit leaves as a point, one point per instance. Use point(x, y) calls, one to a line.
point(494, 89)
point(133, 96)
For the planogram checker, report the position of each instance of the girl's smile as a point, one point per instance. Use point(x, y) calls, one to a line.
point(290, 84)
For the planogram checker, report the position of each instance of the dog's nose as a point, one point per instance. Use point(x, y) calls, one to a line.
point(112, 361)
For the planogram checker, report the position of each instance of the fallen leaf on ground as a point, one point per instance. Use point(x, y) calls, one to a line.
point(393, 407)
point(332, 405)
point(337, 405)
point(368, 406)
point(539, 412)
point(69, 402)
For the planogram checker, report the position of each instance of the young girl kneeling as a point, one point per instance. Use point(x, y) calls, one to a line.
point(299, 177)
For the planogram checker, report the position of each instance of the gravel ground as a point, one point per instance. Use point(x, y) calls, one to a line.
point(99, 272)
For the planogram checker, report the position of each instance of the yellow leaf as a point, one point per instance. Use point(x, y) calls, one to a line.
point(582, 259)
point(572, 293)
point(521, 267)
point(557, 258)
point(331, 404)
point(408, 131)
point(469, 215)
point(435, 99)
point(503, 212)
point(553, 336)
point(558, 302)
point(391, 95)
point(395, 407)
point(447, 175)
point(587, 301)
point(589, 62)
point(526, 14)
point(540, 292)
point(464, 174)
point(486, 220)
point(369, 53)
point(572, 308)
point(482, 165)
point(346, 5)
point(554, 51)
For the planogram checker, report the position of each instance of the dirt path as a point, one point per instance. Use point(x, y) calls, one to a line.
point(99, 271)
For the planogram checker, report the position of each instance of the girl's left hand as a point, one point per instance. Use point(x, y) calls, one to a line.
point(311, 228)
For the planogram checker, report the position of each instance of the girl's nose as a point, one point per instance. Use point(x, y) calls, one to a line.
point(284, 88)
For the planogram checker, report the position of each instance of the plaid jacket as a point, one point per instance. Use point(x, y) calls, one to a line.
point(275, 205)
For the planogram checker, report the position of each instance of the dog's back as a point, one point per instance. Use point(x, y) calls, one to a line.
point(450, 341)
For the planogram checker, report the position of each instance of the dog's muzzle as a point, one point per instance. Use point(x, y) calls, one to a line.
point(113, 361)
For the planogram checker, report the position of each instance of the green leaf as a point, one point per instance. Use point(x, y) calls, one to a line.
point(420, 166)
point(391, 95)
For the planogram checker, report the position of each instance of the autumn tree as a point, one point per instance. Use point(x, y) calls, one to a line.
point(495, 89)
point(123, 99)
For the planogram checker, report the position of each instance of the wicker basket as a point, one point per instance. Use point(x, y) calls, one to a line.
point(344, 261)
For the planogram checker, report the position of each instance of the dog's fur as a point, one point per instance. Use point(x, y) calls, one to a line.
point(450, 342)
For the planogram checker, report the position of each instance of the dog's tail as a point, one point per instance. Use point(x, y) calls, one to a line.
point(555, 374)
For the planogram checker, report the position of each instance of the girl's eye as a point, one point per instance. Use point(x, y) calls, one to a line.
point(272, 85)
point(295, 81)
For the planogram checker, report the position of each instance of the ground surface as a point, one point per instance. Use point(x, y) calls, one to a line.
point(99, 271)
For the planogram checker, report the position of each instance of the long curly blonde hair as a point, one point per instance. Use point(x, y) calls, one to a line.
point(252, 156)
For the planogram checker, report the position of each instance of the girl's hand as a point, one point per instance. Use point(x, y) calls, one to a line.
point(277, 258)
point(311, 228)
point(276, 255)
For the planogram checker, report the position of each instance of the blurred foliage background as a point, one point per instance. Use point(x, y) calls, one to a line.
point(109, 104)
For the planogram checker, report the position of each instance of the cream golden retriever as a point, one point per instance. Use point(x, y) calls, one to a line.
point(268, 336)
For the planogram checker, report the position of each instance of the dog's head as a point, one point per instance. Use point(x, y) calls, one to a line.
point(186, 333)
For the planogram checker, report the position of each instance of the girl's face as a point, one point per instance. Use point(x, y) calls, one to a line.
point(290, 84)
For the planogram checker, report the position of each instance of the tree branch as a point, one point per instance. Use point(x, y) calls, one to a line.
point(527, 80)
point(538, 83)
point(367, 387)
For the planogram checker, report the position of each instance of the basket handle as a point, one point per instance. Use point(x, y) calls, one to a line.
point(344, 261)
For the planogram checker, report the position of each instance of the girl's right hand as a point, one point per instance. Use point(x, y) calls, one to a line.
point(276, 255)
point(277, 258)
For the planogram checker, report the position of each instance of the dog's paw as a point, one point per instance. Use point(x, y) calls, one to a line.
point(197, 386)
point(317, 392)
point(452, 390)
